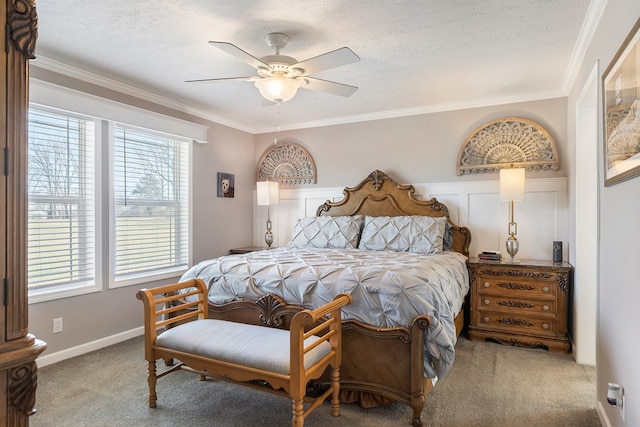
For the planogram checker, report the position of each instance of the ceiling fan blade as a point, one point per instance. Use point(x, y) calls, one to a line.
point(242, 55)
point(329, 87)
point(335, 58)
point(222, 78)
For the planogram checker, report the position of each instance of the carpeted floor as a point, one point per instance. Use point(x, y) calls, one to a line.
point(488, 385)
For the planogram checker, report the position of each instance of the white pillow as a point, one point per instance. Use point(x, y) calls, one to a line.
point(419, 234)
point(327, 232)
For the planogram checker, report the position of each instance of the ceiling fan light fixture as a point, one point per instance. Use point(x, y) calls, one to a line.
point(278, 88)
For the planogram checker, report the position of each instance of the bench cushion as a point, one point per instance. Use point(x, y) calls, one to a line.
point(248, 345)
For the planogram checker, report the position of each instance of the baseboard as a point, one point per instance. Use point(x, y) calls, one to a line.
point(604, 420)
point(59, 356)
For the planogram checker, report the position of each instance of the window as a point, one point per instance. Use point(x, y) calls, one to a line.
point(61, 232)
point(145, 225)
point(150, 203)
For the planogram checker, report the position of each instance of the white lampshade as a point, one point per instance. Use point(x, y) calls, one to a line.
point(278, 88)
point(268, 193)
point(511, 184)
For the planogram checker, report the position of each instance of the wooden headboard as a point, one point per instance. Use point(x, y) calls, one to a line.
point(379, 195)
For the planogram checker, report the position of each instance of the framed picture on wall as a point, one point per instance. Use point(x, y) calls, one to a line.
point(621, 96)
point(226, 184)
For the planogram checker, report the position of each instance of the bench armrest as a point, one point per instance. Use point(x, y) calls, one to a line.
point(329, 330)
point(160, 306)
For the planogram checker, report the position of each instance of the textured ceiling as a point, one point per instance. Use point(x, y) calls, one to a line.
point(416, 56)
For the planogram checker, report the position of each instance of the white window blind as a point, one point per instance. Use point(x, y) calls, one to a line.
point(150, 173)
point(61, 232)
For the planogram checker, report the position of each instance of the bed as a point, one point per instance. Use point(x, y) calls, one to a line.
point(408, 289)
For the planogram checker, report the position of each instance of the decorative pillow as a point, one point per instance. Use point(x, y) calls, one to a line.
point(340, 232)
point(419, 234)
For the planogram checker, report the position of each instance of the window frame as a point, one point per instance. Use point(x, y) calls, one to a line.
point(165, 273)
point(47, 293)
point(105, 113)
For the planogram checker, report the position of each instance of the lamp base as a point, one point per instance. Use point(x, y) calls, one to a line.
point(512, 247)
point(268, 238)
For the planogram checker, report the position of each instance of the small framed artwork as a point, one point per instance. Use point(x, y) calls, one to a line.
point(621, 89)
point(226, 184)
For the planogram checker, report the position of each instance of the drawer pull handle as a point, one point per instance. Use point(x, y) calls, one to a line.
point(545, 289)
point(486, 319)
point(486, 302)
point(545, 326)
point(486, 284)
point(545, 307)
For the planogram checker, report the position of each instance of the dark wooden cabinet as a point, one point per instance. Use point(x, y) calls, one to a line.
point(522, 304)
point(18, 349)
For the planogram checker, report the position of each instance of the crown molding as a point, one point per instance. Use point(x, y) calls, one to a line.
point(589, 25)
point(416, 111)
point(92, 78)
point(95, 79)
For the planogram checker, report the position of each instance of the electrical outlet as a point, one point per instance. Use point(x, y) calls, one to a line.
point(57, 325)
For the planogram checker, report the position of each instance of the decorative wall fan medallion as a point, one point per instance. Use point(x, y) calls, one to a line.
point(509, 140)
point(288, 163)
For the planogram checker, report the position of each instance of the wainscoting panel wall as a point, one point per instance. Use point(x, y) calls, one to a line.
point(541, 217)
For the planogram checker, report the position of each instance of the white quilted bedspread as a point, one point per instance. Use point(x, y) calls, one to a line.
point(389, 289)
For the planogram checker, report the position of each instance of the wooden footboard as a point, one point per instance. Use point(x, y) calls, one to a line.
point(387, 363)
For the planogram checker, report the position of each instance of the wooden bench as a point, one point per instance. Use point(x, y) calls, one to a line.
point(243, 353)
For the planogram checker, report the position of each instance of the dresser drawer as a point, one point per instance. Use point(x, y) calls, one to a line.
point(486, 301)
point(517, 283)
point(510, 322)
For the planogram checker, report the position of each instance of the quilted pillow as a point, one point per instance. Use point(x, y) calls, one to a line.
point(419, 234)
point(340, 232)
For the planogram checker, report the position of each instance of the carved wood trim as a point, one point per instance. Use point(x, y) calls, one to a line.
point(563, 281)
point(22, 24)
point(518, 286)
point(508, 141)
point(271, 308)
point(515, 322)
point(515, 304)
point(518, 273)
point(22, 387)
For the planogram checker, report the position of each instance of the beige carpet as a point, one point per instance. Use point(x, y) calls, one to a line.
point(488, 385)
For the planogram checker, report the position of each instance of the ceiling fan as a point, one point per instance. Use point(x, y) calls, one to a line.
point(280, 76)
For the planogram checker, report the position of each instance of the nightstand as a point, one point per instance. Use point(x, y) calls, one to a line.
point(522, 304)
point(246, 249)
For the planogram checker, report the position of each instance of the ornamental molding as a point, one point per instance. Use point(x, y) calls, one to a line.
point(508, 141)
point(22, 26)
point(288, 163)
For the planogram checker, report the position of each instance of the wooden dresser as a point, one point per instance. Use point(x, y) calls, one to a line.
point(522, 304)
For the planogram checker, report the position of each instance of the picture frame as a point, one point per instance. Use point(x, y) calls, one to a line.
point(621, 110)
point(226, 184)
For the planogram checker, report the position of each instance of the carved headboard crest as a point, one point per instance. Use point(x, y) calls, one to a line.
point(377, 178)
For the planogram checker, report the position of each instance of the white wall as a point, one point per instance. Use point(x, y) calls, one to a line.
point(541, 217)
point(618, 291)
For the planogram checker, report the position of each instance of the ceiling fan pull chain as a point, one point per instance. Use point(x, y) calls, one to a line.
point(275, 140)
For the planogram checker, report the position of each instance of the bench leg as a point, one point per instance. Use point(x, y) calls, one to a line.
point(335, 399)
point(151, 379)
point(298, 411)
